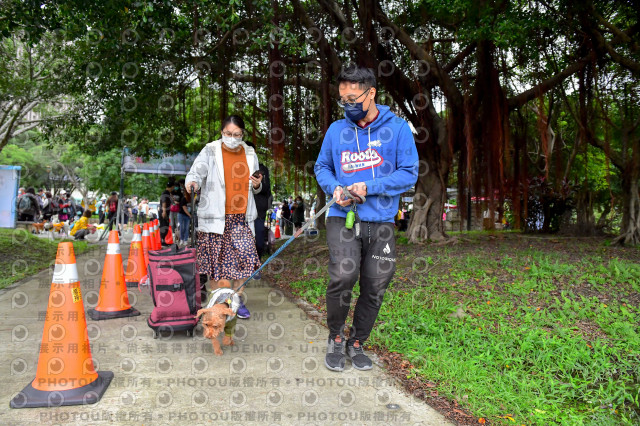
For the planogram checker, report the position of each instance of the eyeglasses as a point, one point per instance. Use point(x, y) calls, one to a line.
point(352, 101)
point(235, 135)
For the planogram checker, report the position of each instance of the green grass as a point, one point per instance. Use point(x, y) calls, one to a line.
point(23, 254)
point(551, 333)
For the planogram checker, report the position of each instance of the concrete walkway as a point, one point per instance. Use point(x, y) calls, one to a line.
point(274, 374)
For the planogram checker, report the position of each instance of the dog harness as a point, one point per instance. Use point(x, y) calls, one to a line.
point(225, 295)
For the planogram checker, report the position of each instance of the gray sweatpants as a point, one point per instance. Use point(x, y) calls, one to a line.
point(371, 259)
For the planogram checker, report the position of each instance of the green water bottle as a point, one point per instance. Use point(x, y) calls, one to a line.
point(351, 218)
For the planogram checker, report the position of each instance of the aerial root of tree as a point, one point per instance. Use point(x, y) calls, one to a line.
point(447, 241)
point(418, 230)
point(631, 235)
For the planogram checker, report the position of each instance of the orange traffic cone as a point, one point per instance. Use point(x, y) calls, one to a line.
point(168, 239)
point(159, 234)
point(156, 235)
point(114, 300)
point(152, 244)
point(146, 245)
point(152, 236)
point(65, 373)
point(277, 229)
point(158, 239)
point(136, 267)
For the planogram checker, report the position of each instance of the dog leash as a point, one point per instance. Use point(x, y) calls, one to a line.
point(358, 199)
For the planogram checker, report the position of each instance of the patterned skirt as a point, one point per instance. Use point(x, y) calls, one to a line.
point(231, 255)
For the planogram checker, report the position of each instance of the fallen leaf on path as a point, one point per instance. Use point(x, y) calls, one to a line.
point(507, 416)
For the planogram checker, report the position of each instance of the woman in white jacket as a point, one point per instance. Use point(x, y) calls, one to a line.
point(226, 210)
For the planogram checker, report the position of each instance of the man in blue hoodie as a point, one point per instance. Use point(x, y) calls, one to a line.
point(370, 153)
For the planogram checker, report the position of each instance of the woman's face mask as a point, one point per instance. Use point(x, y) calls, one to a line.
point(231, 140)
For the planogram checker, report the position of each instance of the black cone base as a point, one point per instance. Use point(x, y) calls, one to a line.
point(103, 315)
point(88, 394)
point(131, 284)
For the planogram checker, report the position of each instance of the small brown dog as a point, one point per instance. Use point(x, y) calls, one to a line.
point(38, 228)
point(214, 323)
point(220, 315)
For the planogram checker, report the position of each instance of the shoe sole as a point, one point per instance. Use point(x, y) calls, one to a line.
point(361, 368)
point(247, 317)
point(332, 368)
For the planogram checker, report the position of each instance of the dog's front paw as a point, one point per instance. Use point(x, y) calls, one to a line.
point(218, 352)
point(227, 340)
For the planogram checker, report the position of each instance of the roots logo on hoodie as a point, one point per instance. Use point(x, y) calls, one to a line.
point(356, 161)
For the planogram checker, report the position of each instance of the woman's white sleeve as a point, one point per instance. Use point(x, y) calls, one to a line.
point(200, 169)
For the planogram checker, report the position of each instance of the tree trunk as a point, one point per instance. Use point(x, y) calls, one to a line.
point(489, 115)
point(275, 102)
point(325, 122)
point(320, 203)
point(630, 227)
point(431, 191)
point(602, 222)
point(224, 85)
point(426, 219)
point(585, 221)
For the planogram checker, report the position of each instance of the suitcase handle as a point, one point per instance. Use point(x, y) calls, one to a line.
point(170, 287)
point(192, 222)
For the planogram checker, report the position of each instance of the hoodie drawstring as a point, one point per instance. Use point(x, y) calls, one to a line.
point(369, 145)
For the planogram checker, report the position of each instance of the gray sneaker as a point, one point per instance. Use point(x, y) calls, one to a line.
point(334, 360)
point(358, 359)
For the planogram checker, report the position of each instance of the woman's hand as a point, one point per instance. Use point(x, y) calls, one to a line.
point(192, 187)
point(255, 181)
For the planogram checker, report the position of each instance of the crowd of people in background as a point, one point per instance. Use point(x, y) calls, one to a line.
point(174, 210)
point(53, 209)
point(32, 207)
point(290, 214)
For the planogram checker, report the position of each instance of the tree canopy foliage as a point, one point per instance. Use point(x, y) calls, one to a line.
point(527, 105)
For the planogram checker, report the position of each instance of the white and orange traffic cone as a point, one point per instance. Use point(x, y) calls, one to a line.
point(156, 235)
point(113, 301)
point(65, 374)
point(277, 233)
point(136, 267)
point(146, 245)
